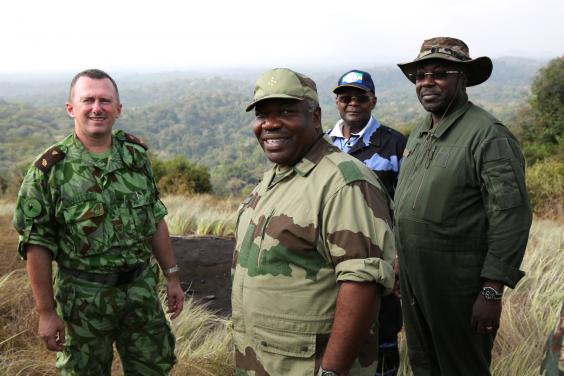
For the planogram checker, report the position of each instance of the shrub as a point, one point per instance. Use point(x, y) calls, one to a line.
point(545, 183)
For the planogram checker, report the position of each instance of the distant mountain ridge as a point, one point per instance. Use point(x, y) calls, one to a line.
point(203, 118)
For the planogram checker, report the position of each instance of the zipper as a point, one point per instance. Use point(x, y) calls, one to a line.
point(428, 156)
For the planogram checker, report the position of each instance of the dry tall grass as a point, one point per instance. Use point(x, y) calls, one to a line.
point(531, 310)
point(204, 344)
point(201, 215)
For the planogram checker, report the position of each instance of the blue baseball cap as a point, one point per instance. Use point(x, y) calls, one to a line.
point(355, 78)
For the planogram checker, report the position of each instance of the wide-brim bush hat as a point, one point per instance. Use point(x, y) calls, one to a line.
point(453, 50)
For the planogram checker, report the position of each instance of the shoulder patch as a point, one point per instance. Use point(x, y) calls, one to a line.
point(135, 140)
point(50, 158)
point(350, 171)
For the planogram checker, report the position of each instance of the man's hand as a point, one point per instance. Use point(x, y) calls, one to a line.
point(51, 330)
point(485, 315)
point(174, 296)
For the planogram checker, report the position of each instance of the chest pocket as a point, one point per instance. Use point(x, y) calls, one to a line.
point(141, 224)
point(85, 223)
point(438, 190)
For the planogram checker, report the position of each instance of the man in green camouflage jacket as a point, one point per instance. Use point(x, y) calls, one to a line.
point(314, 246)
point(462, 216)
point(90, 204)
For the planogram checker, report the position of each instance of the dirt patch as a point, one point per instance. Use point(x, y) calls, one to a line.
point(205, 269)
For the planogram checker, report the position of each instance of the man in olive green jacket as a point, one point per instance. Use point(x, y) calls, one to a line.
point(462, 216)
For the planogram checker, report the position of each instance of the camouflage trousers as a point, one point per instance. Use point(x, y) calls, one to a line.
point(96, 316)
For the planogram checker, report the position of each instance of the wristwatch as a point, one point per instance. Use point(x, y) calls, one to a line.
point(326, 372)
point(490, 293)
point(169, 271)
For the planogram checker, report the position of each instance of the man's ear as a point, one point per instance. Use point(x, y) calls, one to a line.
point(70, 109)
point(317, 117)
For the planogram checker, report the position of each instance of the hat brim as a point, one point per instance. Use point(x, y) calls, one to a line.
point(479, 69)
point(271, 96)
point(356, 86)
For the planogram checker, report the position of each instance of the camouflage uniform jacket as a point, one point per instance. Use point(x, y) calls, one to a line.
point(377, 146)
point(462, 193)
point(300, 232)
point(93, 214)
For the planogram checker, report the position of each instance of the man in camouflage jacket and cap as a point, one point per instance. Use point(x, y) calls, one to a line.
point(314, 246)
point(90, 204)
point(462, 216)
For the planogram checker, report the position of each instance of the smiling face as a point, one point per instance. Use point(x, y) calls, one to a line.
point(94, 106)
point(355, 114)
point(286, 129)
point(438, 95)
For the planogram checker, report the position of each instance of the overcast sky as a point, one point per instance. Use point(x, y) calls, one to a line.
point(71, 35)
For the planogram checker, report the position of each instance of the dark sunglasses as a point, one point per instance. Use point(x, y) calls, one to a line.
point(438, 75)
point(346, 99)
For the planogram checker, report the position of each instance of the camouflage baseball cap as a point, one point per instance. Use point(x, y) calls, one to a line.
point(453, 50)
point(283, 83)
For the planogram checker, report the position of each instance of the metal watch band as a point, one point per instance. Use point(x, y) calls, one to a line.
point(491, 294)
point(174, 269)
point(326, 372)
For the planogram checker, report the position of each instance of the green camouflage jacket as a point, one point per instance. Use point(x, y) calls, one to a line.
point(92, 214)
point(462, 190)
point(300, 232)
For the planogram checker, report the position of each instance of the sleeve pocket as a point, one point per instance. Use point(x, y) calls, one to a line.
point(501, 186)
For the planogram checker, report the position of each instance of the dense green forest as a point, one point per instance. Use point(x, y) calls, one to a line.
point(202, 118)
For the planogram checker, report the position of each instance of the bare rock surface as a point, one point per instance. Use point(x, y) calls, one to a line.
point(205, 269)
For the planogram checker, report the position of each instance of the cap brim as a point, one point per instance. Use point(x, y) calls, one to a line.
point(356, 86)
point(271, 96)
point(479, 69)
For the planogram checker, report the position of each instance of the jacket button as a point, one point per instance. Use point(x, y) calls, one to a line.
point(263, 343)
point(304, 348)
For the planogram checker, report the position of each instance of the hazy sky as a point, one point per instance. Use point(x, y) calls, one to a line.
point(71, 35)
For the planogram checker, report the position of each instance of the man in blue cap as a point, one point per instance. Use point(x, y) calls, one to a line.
point(380, 148)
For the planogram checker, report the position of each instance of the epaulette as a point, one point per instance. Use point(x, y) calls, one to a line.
point(50, 158)
point(350, 172)
point(135, 140)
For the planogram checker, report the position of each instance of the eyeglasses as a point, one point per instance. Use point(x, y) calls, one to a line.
point(438, 75)
point(346, 99)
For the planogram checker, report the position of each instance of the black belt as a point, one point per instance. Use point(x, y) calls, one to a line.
point(109, 279)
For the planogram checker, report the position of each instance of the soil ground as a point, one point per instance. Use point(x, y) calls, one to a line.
point(205, 269)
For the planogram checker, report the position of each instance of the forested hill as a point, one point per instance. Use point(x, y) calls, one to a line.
point(202, 116)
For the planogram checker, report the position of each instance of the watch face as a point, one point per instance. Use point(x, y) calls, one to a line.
point(490, 293)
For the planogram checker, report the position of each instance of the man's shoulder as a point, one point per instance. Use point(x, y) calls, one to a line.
point(392, 133)
point(53, 155)
point(345, 167)
point(130, 139)
point(485, 123)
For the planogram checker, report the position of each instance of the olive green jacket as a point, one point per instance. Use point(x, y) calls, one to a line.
point(462, 189)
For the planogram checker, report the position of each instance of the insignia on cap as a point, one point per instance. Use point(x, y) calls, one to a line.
point(352, 77)
point(272, 81)
point(32, 207)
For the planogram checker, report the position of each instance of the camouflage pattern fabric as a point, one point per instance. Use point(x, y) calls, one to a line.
point(99, 215)
point(553, 362)
point(301, 231)
point(95, 315)
point(462, 215)
point(94, 215)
